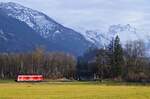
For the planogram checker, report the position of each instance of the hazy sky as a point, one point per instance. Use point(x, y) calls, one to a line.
point(94, 14)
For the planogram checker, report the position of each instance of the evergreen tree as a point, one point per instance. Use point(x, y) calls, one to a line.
point(118, 58)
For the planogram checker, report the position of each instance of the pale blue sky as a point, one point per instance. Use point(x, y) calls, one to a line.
point(94, 14)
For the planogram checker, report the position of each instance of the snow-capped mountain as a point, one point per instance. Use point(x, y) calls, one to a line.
point(56, 36)
point(16, 36)
point(27, 24)
point(125, 32)
point(36, 20)
point(98, 38)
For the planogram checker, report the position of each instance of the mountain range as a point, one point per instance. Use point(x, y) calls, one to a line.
point(23, 29)
point(125, 32)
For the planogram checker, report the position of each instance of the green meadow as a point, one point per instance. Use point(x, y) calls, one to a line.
point(73, 90)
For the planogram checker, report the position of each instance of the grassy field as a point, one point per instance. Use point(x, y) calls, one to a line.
point(72, 90)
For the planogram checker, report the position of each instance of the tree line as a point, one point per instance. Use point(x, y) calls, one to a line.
point(127, 62)
point(52, 65)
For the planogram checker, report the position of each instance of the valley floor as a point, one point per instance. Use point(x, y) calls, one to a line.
point(72, 90)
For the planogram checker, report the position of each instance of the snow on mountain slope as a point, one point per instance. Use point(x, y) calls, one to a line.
point(98, 38)
point(2, 35)
point(125, 32)
point(36, 20)
point(55, 32)
point(57, 37)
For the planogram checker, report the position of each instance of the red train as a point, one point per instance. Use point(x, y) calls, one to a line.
point(29, 78)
